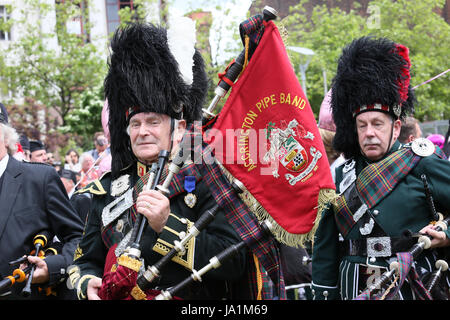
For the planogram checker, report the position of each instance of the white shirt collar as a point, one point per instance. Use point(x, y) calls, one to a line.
point(3, 164)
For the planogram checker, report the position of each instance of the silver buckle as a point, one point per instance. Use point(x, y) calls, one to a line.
point(379, 247)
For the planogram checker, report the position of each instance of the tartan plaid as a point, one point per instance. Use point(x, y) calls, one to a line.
point(239, 215)
point(253, 28)
point(377, 180)
point(245, 224)
point(343, 217)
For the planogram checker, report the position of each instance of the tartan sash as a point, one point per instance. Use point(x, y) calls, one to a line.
point(245, 223)
point(377, 180)
point(374, 183)
point(238, 214)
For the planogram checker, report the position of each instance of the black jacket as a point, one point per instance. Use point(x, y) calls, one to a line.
point(33, 199)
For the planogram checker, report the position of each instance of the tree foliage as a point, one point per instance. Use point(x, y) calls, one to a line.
point(415, 24)
point(56, 67)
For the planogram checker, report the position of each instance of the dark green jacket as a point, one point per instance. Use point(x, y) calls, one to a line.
point(405, 208)
point(219, 235)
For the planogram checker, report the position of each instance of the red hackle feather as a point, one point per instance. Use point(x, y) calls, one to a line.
point(404, 81)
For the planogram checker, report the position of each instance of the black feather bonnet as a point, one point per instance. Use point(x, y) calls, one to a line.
point(372, 74)
point(144, 76)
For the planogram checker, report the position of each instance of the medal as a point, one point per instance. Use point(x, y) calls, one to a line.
point(189, 185)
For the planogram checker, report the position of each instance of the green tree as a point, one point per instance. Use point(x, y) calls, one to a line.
point(415, 24)
point(55, 71)
point(54, 76)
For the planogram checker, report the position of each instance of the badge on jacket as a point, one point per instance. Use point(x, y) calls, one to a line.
point(120, 185)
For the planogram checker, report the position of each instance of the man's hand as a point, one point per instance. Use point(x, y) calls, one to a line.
point(155, 207)
point(439, 238)
point(40, 274)
point(93, 287)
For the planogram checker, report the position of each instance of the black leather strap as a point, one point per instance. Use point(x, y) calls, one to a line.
point(358, 247)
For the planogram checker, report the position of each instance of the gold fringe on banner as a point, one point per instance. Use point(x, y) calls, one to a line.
point(293, 240)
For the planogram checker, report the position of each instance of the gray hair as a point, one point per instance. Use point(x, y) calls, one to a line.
point(10, 137)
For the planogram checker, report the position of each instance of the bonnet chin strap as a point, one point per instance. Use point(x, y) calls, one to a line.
point(172, 133)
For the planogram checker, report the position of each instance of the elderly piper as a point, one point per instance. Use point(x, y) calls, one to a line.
point(152, 97)
point(382, 199)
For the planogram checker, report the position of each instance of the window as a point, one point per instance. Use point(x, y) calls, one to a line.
point(4, 17)
point(77, 24)
point(112, 12)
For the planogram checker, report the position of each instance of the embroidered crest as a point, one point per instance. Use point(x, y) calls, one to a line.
point(286, 149)
point(120, 185)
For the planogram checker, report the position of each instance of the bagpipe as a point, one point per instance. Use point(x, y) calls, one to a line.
point(125, 276)
point(214, 263)
point(42, 249)
point(129, 261)
point(399, 268)
point(396, 267)
point(234, 69)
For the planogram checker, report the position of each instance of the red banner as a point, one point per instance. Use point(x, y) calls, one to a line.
point(266, 136)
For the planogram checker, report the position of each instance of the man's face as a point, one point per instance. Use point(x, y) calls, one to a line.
point(374, 133)
point(39, 156)
point(149, 134)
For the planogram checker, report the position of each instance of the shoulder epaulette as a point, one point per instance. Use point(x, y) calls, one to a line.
point(95, 187)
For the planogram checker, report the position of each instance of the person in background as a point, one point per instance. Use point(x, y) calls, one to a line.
point(72, 161)
point(410, 130)
point(69, 179)
point(37, 152)
point(101, 145)
point(32, 201)
point(327, 130)
point(50, 158)
point(88, 171)
point(80, 201)
point(25, 143)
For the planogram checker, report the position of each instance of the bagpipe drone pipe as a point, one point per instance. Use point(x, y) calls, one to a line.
point(399, 269)
point(396, 268)
point(214, 263)
point(116, 282)
point(42, 248)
